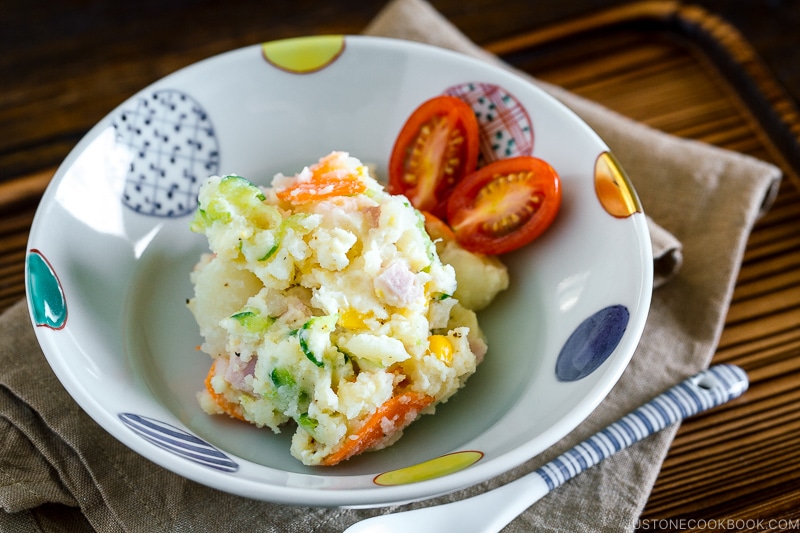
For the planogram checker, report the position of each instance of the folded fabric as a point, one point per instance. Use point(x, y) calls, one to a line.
point(59, 471)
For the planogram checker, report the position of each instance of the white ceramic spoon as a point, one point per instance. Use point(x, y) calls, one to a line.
point(491, 511)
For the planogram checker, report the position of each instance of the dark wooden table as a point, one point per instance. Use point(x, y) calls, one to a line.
point(723, 72)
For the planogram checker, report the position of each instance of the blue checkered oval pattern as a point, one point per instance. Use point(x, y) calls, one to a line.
point(179, 442)
point(174, 147)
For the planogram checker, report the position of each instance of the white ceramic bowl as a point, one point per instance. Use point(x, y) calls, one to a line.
point(110, 253)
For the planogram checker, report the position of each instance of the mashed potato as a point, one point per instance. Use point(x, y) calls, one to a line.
point(327, 310)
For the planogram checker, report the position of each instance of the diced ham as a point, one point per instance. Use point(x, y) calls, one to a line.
point(237, 372)
point(398, 286)
point(372, 215)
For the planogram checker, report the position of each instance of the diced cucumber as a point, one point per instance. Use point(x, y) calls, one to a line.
point(281, 377)
point(315, 326)
point(253, 321)
point(307, 423)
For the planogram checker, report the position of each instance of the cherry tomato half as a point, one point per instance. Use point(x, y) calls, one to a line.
point(436, 148)
point(437, 228)
point(504, 205)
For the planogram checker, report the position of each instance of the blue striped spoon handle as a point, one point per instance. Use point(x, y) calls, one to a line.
point(707, 389)
point(491, 511)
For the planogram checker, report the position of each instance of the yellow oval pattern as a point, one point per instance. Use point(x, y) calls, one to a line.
point(440, 466)
point(613, 188)
point(302, 55)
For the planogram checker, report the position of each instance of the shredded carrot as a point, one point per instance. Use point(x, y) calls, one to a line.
point(400, 411)
point(328, 179)
point(230, 408)
point(320, 188)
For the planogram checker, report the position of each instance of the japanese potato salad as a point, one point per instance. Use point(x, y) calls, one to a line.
point(332, 308)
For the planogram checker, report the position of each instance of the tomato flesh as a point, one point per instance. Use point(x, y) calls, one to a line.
point(504, 205)
point(437, 147)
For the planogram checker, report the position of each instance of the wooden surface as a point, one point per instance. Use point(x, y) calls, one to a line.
point(677, 68)
point(740, 464)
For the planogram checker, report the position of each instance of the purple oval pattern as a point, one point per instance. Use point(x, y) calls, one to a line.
point(175, 147)
point(591, 343)
point(505, 128)
point(178, 442)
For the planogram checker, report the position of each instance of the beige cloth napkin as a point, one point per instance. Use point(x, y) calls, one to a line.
point(60, 472)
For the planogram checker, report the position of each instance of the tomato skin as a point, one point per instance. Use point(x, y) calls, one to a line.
point(437, 228)
point(436, 148)
point(504, 205)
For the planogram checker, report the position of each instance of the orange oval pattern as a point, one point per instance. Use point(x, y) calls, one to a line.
point(613, 188)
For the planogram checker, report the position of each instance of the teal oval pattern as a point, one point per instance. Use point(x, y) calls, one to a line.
point(591, 343)
point(45, 295)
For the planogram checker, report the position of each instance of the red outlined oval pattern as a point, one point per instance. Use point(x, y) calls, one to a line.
point(505, 127)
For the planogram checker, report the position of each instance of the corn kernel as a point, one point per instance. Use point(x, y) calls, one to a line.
point(351, 319)
point(441, 347)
